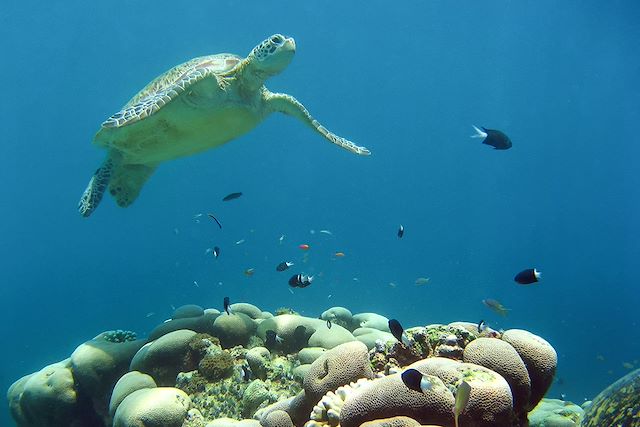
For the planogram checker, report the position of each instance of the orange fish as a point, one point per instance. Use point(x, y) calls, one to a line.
point(339, 254)
point(304, 246)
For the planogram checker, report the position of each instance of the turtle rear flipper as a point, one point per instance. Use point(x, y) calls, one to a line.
point(127, 181)
point(95, 190)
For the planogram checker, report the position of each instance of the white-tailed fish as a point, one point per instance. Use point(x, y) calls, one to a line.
point(239, 242)
point(326, 232)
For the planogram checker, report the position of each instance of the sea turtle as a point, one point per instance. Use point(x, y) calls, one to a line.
point(195, 106)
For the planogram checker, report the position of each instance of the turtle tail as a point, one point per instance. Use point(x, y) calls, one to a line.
point(95, 190)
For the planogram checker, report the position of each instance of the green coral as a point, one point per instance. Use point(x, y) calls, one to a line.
point(216, 366)
point(286, 310)
point(119, 336)
point(201, 342)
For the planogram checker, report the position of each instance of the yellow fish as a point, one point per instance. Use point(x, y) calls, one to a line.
point(462, 398)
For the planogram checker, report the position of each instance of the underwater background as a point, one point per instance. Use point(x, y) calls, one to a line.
point(562, 79)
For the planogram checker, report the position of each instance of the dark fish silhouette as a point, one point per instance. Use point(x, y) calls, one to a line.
point(231, 196)
point(481, 326)
point(528, 276)
point(215, 219)
point(400, 231)
point(284, 265)
point(495, 138)
point(300, 281)
point(226, 304)
point(412, 378)
point(272, 339)
point(215, 251)
point(396, 329)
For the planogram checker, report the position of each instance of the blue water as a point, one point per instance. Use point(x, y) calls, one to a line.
point(562, 79)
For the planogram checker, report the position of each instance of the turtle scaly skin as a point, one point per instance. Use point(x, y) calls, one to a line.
point(617, 405)
point(195, 106)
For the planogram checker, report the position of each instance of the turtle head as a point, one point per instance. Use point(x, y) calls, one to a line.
point(272, 55)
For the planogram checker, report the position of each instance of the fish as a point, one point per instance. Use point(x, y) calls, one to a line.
point(528, 276)
point(414, 380)
point(482, 326)
point(398, 332)
point(210, 215)
point(249, 272)
point(496, 306)
point(239, 242)
point(329, 324)
point(495, 138)
point(281, 238)
point(400, 231)
point(326, 232)
point(215, 252)
point(462, 398)
point(272, 339)
point(339, 254)
point(245, 373)
point(421, 281)
point(300, 280)
point(304, 246)
point(149, 314)
point(195, 283)
point(284, 265)
point(226, 304)
point(231, 196)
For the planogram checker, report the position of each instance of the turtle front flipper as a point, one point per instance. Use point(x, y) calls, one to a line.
point(287, 104)
point(127, 181)
point(95, 190)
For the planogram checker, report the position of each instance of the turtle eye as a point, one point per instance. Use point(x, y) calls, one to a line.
point(276, 40)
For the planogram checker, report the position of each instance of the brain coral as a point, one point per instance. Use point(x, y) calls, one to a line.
point(500, 357)
point(153, 407)
point(538, 356)
point(277, 418)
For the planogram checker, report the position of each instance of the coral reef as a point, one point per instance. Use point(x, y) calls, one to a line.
point(203, 368)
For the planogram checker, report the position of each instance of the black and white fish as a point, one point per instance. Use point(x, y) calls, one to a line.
point(414, 380)
point(226, 304)
point(272, 339)
point(482, 326)
point(284, 265)
point(215, 252)
point(495, 138)
point(398, 332)
point(400, 231)
point(300, 280)
point(528, 276)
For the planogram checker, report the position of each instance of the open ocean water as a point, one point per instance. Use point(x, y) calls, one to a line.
point(408, 81)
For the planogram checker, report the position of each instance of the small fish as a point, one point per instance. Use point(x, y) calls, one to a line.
point(304, 246)
point(462, 398)
point(245, 373)
point(149, 314)
point(231, 196)
point(393, 284)
point(495, 138)
point(528, 276)
point(300, 281)
point(196, 216)
point(326, 232)
point(496, 306)
point(239, 242)
point(215, 219)
point(414, 380)
point(339, 254)
point(249, 272)
point(281, 239)
point(329, 323)
point(627, 365)
point(482, 326)
point(398, 332)
point(226, 304)
point(420, 281)
point(215, 252)
point(400, 231)
point(272, 339)
point(195, 283)
point(284, 265)
point(563, 396)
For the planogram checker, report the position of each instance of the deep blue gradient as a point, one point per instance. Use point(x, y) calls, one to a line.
point(562, 79)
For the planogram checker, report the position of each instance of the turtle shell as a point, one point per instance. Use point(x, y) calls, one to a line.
point(617, 405)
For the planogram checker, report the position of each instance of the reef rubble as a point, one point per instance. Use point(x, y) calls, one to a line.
point(203, 368)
